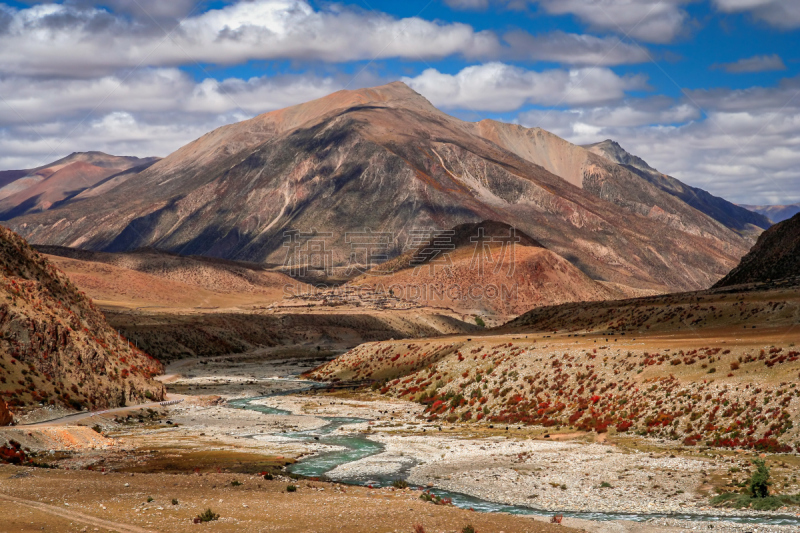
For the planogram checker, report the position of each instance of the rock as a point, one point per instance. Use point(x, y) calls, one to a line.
point(6, 417)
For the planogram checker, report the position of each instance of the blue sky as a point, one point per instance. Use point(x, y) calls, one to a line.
point(705, 90)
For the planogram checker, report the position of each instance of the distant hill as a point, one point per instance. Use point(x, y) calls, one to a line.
point(55, 347)
point(776, 213)
point(42, 188)
point(476, 271)
point(738, 218)
point(775, 256)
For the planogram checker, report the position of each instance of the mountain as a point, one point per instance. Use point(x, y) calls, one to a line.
point(39, 189)
point(776, 213)
point(477, 272)
point(55, 346)
point(385, 159)
point(775, 256)
point(737, 218)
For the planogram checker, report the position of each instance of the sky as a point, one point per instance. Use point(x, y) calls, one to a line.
point(707, 91)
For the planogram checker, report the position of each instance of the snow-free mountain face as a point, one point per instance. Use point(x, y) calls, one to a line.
point(40, 189)
point(387, 160)
point(56, 348)
point(774, 257)
point(735, 217)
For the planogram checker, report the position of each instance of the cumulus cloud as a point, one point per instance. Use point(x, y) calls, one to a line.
point(745, 147)
point(779, 13)
point(70, 40)
point(501, 87)
point(765, 63)
point(77, 40)
point(574, 49)
point(658, 21)
point(148, 112)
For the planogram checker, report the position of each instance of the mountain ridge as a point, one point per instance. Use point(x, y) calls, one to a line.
point(736, 217)
point(386, 159)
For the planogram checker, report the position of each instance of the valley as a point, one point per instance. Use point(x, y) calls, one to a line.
point(363, 314)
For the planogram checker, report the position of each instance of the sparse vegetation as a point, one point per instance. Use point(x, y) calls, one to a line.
point(207, 516)
point(291, 488)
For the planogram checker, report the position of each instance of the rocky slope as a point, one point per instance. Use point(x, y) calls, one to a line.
point(775, 256)
point(55, 347)
point(40, 189)
point(478, 270)
point(735, 217)
point(386, 159)
point(713, 368)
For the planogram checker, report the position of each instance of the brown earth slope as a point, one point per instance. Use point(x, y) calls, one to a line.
point(55, 347)
point(715, 368)
point(386, 159)
point(775, 256)
point(478, 270)
point(39, 189)
point(148, 278)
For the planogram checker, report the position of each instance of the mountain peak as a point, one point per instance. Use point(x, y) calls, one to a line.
point(614, 152)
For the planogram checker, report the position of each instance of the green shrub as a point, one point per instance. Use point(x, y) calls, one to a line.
point(235, 483)
point(291, 488)
point(207, 516)
point(759, 481)
point(479, 321)
point(149, 499)
point(174, 501)
point(606, 485)
point(468, 529)
point(400, 484)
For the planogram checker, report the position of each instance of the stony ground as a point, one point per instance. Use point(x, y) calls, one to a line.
point(194, 450)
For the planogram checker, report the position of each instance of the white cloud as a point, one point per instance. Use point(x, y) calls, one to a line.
point(780, 13)
point(575, 49)
point(658, 21)
point(151, 112)
point(501, 87)
point(764, 63)
point(745, 147)
point(67, 40)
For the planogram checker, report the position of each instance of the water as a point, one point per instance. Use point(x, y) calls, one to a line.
point(355, 446)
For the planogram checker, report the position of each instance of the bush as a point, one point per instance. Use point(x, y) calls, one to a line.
point(468, 529)
point(174, 501)
point(235, 483)
point(745, 501)
point(400, 484)
point(207, 516)
point(758, 487)
point(291, 488)
point(149, 499)
point(479, 321)
point(434, 499)
point(268, 476)
point(606, 485)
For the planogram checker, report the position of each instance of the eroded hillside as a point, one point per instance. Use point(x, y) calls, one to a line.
point(721, 370)
point(56, 348)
